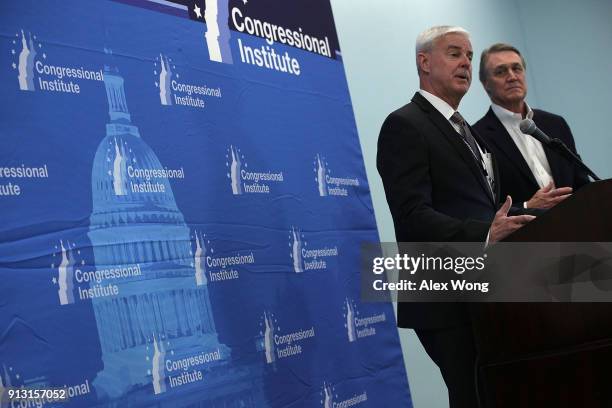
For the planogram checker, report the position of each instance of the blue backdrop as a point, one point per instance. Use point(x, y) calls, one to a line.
point(183, 198)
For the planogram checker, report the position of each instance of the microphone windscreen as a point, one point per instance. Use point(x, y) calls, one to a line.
point(527, 126)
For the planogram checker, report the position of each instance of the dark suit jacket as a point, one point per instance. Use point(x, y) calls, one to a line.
point(435, 191)
point(516, 178)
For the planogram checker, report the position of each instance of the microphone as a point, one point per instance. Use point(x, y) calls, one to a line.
point(529, 127)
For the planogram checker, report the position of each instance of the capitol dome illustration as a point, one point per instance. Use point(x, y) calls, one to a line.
point(142, 228)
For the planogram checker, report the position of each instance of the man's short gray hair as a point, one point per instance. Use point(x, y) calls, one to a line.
point(426, 40)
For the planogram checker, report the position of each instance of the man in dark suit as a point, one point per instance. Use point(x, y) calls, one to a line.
point(531, 173)
point(440, 186)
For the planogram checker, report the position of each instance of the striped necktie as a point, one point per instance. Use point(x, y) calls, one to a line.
point(467, 136)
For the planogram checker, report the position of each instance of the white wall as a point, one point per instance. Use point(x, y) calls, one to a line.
point(569, 52)
point(567, 46)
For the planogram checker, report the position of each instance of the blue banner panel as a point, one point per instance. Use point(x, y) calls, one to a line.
point(182, 203)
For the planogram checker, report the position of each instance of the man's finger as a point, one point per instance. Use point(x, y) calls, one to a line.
point(522, 219)
point(561, 191)
point(561, 198)
point(503, 210)
point(548, 187)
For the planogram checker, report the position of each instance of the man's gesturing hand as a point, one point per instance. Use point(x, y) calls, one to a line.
point(549, 196)
point(503, 225)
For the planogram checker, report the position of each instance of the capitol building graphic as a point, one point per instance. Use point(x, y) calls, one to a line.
point(131, 227)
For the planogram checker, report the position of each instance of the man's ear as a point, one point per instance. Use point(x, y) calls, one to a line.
point(423, 61)
point(486, 87)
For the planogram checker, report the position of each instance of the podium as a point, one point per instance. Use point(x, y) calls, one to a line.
point(550, 354)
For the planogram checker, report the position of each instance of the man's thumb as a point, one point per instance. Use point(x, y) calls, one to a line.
point(506, 206)
point(548, 187)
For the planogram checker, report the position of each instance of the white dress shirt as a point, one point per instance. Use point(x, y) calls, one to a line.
point(530, 148)
point(441, 106)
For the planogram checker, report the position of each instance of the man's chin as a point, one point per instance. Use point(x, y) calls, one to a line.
point(515, 93)
point(515, 97)
point(462, 89)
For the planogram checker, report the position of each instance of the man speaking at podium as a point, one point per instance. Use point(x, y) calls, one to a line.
point(440, 184)
point(533, 174)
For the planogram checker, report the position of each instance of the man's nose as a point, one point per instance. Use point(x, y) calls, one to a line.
point(465, 62)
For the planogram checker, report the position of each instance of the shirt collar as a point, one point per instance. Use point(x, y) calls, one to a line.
point(441, 106)
point(505, 115)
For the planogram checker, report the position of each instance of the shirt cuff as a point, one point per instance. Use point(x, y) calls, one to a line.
point(524, 204)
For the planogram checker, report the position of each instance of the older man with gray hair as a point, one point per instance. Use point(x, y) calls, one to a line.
point(440, 185)
point(534, 175)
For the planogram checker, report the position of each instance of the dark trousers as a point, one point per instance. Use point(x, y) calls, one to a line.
point(453, 350)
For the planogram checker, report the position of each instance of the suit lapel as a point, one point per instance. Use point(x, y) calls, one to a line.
point(454, 139)
point(499, 137)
